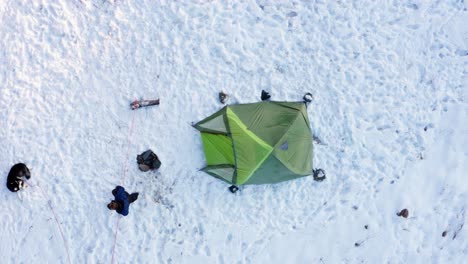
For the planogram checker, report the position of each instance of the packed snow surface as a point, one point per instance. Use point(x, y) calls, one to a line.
point(389, 117)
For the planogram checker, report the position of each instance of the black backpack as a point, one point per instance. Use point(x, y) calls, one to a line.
point(148, 161)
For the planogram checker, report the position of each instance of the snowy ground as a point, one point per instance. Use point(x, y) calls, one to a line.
point(390, 80)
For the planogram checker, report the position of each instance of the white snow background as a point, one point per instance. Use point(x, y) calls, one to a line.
point(390, 81)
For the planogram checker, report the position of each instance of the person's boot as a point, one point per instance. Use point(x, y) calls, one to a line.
point(133, 197)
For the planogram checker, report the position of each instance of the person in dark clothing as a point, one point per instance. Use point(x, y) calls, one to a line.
point(17, 176)
point(122, 200)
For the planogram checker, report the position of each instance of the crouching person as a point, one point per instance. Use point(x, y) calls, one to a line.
point(17, 176)
point(122, 200)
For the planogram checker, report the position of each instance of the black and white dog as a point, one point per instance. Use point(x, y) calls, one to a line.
point(18, 173)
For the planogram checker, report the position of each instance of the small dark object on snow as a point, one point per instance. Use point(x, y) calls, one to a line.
point(317, 140)
point(357, 244)
point(366, 227)
point(319, 175)
point(233, 188)
point(420, 156)
point(148, 161)
point(223, 97)
point(143, 103)
point(444, 233)
point(16, 177)
point(308, 98)
point(265, 96)
point(403, 213)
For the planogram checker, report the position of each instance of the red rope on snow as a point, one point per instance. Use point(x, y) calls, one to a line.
point(115, 238)
point(118, 220)
point(49, 202)
point(125, 169)
point(128, 149)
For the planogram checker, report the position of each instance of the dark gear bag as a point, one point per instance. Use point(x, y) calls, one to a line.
point(148, 161)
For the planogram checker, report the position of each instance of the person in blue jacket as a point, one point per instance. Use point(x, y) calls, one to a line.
point(122, 200)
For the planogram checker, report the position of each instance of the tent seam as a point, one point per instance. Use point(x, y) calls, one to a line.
point(229, 134)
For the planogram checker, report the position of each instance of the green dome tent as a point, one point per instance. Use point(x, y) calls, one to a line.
point(264, 142)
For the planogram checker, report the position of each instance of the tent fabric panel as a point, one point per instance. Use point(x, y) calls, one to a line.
point(268, 120)
point(218, 149)
point(272, 171)
point(250, 150)
point(216, 123)
point(224, 172)
point(294, 149)
point(300, 106)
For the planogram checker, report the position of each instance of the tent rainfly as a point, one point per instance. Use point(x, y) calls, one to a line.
point(257, 143)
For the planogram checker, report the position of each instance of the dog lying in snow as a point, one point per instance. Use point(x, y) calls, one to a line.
point(18, 173)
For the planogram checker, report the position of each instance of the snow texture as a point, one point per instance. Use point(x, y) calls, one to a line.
point(390, 86)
